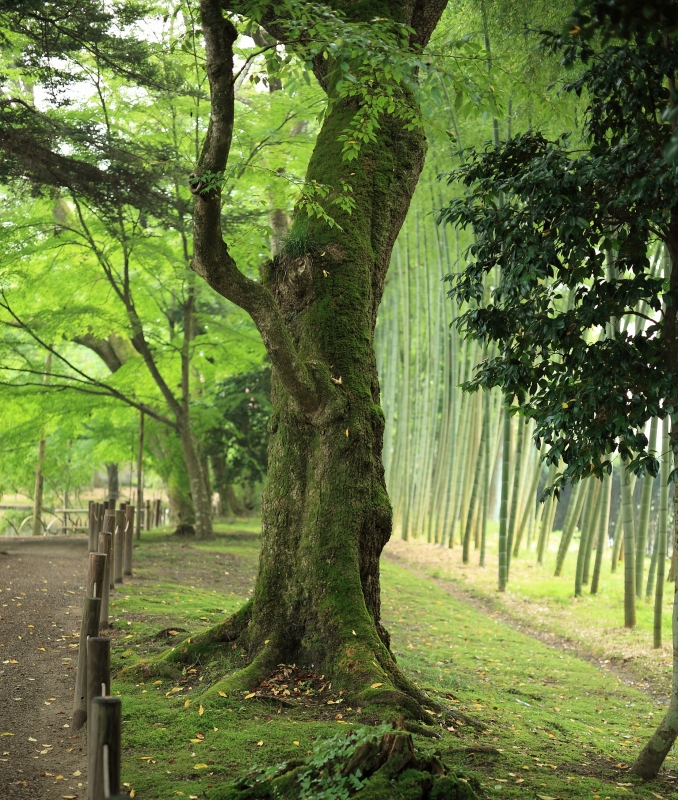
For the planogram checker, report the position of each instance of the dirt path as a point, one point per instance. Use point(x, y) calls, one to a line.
point(41, 591)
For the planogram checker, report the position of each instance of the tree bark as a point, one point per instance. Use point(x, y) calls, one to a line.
point(325, 513)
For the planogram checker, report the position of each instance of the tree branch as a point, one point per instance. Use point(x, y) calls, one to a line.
point(212, 260)
point(90, 385)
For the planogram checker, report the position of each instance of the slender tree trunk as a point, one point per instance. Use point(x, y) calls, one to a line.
point(662, 532)
point(140, 475)
point(476, 494)
point(503, 510)
point(571, 525)
point(39, 487)
point(645, 503)
point(546, 517)
point(202, 502)
point(515, 493)
point(487, 470)
point(592, 533)
point(529, 505)
point(586, 531)
point(603, 526)
point(629, 552)
point(39, 476)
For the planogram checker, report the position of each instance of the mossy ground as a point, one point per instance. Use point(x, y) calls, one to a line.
point(552, 725)
point(592, 624)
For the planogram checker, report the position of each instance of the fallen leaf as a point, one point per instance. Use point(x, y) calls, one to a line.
point(201, 711)
point(259, 743)
point(200, 766)
point(296, 743)
point(187, 703)
point(247, 696)
point(377, 685)
point(223, 694)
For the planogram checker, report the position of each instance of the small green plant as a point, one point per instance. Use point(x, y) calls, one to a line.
point(322, 777)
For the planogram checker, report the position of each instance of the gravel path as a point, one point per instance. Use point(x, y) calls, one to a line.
point(41, 592)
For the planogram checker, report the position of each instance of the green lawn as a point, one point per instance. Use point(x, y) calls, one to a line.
point(552, 725)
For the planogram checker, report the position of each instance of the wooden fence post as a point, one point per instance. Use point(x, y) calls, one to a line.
point(128, 540)
point(88, 627)
point(109, 527)
point(118, 545)
point(147, 516)
point(95, 575)
point(105, 545)
point(103, 778)
point(98, 670)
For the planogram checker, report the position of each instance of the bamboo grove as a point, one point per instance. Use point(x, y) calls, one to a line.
point(461, 467)
point(450, 456)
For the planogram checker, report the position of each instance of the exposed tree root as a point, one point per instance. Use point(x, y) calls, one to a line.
point(368, 679)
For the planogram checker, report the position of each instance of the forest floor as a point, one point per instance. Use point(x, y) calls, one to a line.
point(553, 725)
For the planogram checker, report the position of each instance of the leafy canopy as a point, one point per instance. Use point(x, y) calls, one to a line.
point(570, 237)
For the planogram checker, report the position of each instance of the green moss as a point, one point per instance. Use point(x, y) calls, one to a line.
point(573, 726)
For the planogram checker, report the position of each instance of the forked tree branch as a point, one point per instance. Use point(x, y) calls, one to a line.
point(211, 259)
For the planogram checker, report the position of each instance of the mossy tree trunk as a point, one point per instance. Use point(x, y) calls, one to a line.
point(325, 513)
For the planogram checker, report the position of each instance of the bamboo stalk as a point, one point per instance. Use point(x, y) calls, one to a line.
point(571, 525)
point(662, 532)
point(629, 553)
point(645, 503)
point(503, 512)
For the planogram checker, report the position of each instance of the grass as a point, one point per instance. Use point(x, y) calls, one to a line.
point(594, 624)
point(552, 725)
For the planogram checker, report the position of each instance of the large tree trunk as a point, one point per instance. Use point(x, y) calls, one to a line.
point(325, 514)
